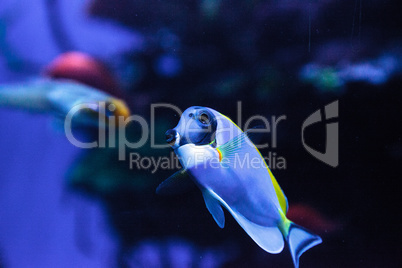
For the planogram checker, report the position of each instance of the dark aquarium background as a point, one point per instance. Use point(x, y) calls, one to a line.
point(62, 206)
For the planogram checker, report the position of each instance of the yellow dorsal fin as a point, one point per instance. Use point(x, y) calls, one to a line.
point(283, 202)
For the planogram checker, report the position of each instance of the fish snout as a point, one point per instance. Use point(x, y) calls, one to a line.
point(171, 136)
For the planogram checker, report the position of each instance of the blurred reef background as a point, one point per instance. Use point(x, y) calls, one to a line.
point(61, 206)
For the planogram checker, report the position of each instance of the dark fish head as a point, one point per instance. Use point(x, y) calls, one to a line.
point(197, 126)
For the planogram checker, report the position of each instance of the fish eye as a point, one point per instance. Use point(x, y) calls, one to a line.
point(204, 118)
point(190, 115)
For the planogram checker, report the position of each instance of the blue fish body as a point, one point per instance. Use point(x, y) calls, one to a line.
point(231, 173)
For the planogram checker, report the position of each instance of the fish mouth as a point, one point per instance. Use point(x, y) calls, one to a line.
point(174, 142)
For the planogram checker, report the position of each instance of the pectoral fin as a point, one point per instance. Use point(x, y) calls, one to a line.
point(180, 182)
point(214, 208)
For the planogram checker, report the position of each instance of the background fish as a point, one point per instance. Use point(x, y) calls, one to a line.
point(59, 97)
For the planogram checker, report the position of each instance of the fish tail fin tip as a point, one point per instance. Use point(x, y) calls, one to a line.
point(300, 240)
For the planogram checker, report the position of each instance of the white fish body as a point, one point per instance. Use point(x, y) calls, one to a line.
point(231, 173)
point(247, 193)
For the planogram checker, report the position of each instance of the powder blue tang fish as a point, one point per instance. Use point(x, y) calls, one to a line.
point(58, 97)
point(231, 173)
